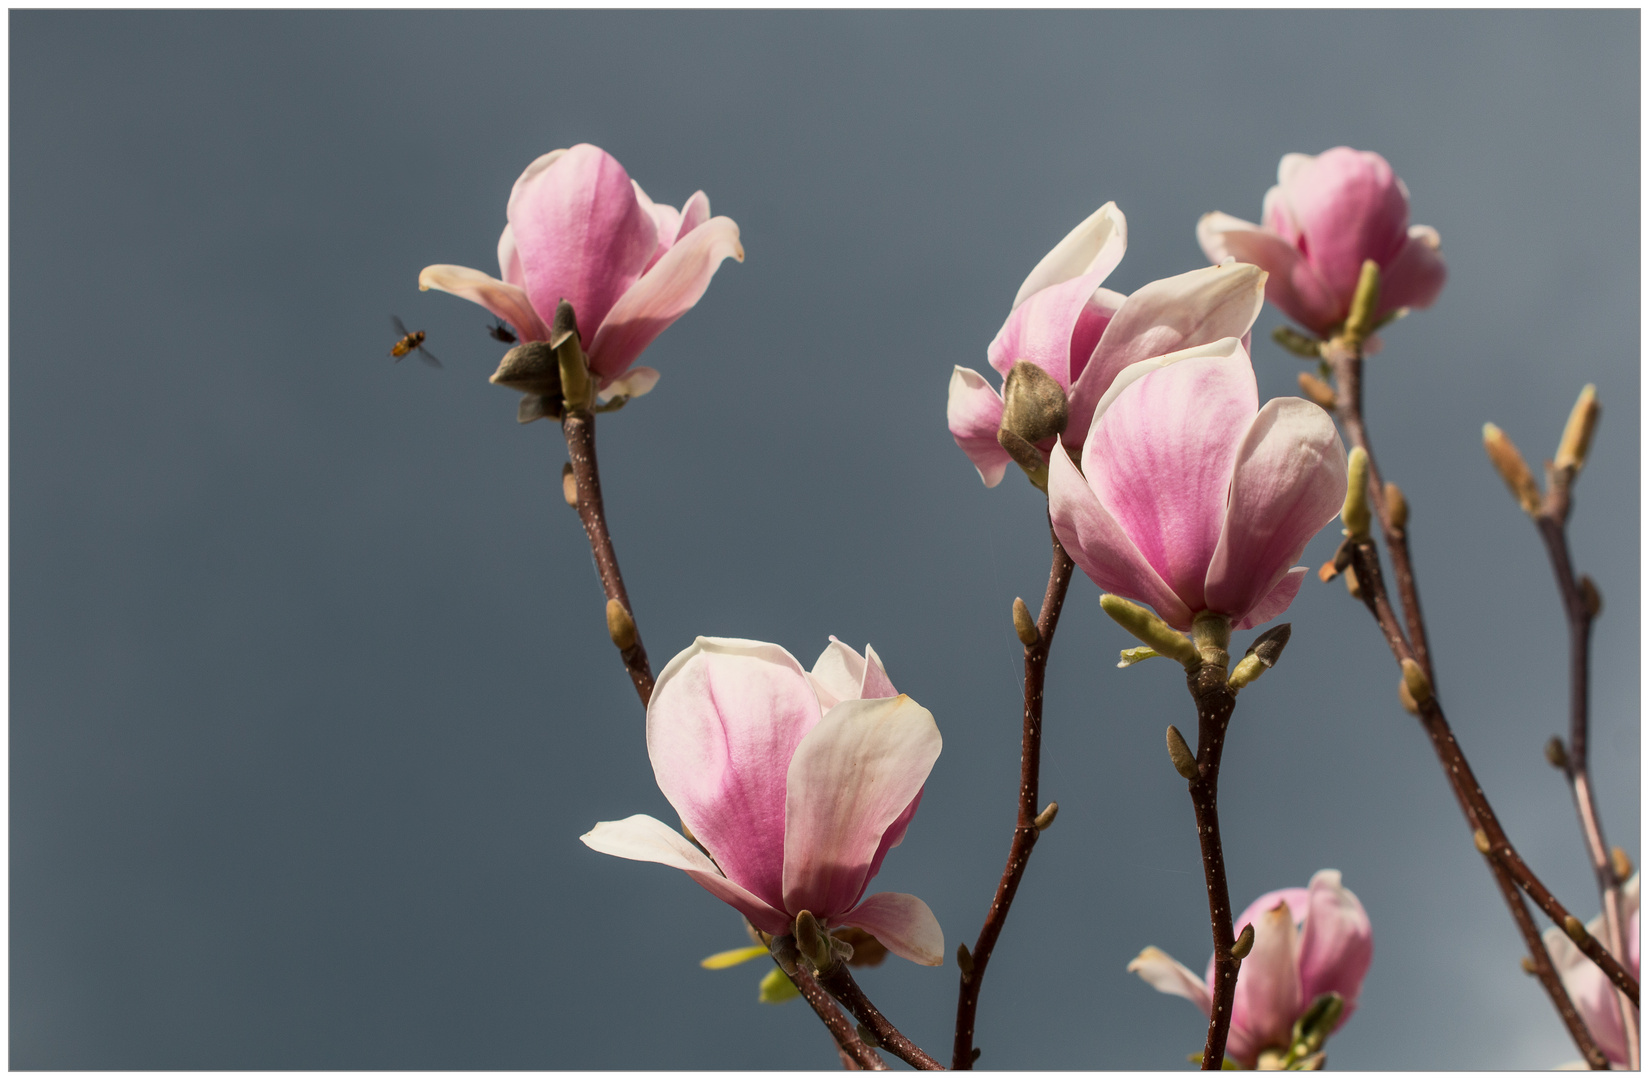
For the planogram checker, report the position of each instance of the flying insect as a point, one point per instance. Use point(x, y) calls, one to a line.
point(410, 340)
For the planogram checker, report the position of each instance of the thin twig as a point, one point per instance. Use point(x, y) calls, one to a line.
point(839, 981)
point(855, 1054)
point(1215, 700)
point(579, 428)
point(1025, 831)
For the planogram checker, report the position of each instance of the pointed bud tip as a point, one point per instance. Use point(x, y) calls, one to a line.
point(620, 626)
point(1508, 462)
point(569, 485)
point(1244, 943)
point(1046, 817)
point(1397, 507)
point(1023, 624)
point(1575, 929)
point(1557, 755)
point(1179, 753)
point(964, 959)
point(1355, 513)
point(1481, 840)
point(1528, 965)
point(1415, 680)
point(1577, 433)
point(1621, 863)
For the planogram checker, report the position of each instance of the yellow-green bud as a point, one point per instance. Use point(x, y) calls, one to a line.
point(1360, 322)
point(1415, 681)
point(1577, 433)
point(569, 484)
point(1481, 840)
point(1355, 513)
point(1509, 463)
point(1244, 943)
point(1300, 345)
point(812, 941)
point(620, 627)
point(1528, 966)
point(1574, 928)
point(1556, 754)
point(1185, 762)
point(1620, 863)
point(1046, 818)
point(1023, 624)
point(1318, 391)
point(1247, 670)
point(1145, 625)
point(1397, 507)
point(1130, 657)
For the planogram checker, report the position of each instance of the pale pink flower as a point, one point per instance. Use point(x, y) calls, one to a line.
point(1082, 335)
point(797, 784)
point(581, 230)
point(1325, 216)
point(1192, 497)
point(1590, 989)
point(1307, 942)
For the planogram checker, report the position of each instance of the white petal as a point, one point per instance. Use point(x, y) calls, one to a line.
point(1099, 242)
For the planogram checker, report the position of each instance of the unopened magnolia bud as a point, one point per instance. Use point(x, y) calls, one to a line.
point(1481, 840)
point(1414, 678)
point(1355, 513)
point(1046, 817)
point(964, 959)
point(532, 368)
point(1319, 392)
point(1556, 754)
point(620, 627)
point(1406, 699)
point(1244, 943)
point(1268, 647)
point(1591, 597)
point(974, 1057)
point(1185, 762)
point(811, 940)
point(1354, 586)
point(1528, 966)
point(867, 1036)
point(1364, 302)
point(1620, 863)
point(1509, 463)
point(1397, 507)
point(1149, 628)
point(569, 485)
point(1023, 624)
point(1300, 345)
point(1574, 928)
point(1577, 433)
point(1033, 403)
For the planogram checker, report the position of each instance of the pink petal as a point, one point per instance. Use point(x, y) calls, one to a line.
point(1268, 997)
point(663, 295)
point(1275, 602)
point(1094, 247)
point(1160, 460)
point(695, 212)
point(1351, 207)
point(666, 218)
point(1294, 285)
point(974, 412)
point(1043, 327)
point(509, 259)
point(851, 777)
point(502, 299)
point(1169, 976)
point(582, 235)
point(903, 923)
point(1415, 276)
point(841, 674)
point(1336, 944)
point(1166, 316)
point(647, 839)
point(1094, 540)
point(725, 720)
point(1590, 990)
point(1289, 481)
point(1226, 348)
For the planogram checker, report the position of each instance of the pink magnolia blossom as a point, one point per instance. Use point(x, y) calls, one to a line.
point(581, 230)
point(1326, 215)
point(1082, 335)
point(1590, 989)
point(1307, 942)
point(1192, 497)
point(796, 783)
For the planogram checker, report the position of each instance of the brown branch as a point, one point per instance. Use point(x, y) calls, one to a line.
point(839, 981)
point(854, 1053)
point(1025, 831)
point(1215, 700)
point(579, 428)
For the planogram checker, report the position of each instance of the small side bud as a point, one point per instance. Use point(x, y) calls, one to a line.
point(1024, 625)
point(1557, 755)
point(1308, 348)
point(569, 484)
point(1406, 699)
point(1185, 762)
point(620, 627)
point(867, 1036)
point(1130, 657)
point(964, 959)
point(974, 1057)
point(1397, 507)
point(1414, 678)
point(1354, 585)
point(1481, 840)
point(1528, 966)
point(1268, 647)
point(1244, 943)
point(1509, 463)
point(1145, 625)
point(1046, 818)
point(812, 941)
point(1577, 433)
point(1247, 670)
point(1620, 863)
point(1576, 931)
point(1355, 513)
point(1590, 597)
point(1327, 572)
point(1317, 391)
point(1364, 302)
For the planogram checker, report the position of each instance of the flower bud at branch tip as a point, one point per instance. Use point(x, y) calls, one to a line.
point(1147, 627)
point(1590, 597)
point(1577, 433)
point(1355, 514)
point(1576, 931)
point(1244, 943)
point(1556, 754)
point(1185, 762)
point(1397, 507)
point(964, 960)
point(1509, 463)
point(620, 627)
point(1024, 625)
point(1481, 839)
point(1046, 818)
point(569, 484)
point(1415, 681)
point(1318, 391)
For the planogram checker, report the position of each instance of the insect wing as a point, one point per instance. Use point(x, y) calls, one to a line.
point(428, 357)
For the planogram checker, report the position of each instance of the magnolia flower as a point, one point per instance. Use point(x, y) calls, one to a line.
point(1082, 335)
point(1590, 989)
point(1191, 497)
point(1327, 215)
point(1307, 942)
point(581, 230)
point(795, 783)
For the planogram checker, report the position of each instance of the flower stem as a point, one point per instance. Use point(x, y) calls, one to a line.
point(1025, 831)
point(840, 982)
point(1215, 702)
point(579, 428)
point(855, 1054)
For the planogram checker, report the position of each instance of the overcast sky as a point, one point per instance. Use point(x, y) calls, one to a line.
point(311, 692)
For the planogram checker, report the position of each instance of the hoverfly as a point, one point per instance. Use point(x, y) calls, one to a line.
point(410, 340)
point(500, 332)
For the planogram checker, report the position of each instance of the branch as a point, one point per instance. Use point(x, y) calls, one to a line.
point(579, 428)
point(1215, 701)
point(839, 981)
point(855, 1054)
point(1026, 828)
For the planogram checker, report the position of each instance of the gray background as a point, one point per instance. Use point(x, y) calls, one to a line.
point(311, 695)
